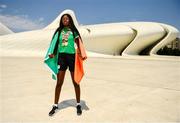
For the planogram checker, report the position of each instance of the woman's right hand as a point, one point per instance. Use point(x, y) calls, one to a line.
point(51, 55)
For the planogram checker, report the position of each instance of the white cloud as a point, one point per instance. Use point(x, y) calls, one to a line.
point(21, 22)
point(41, 19)
point(24, 16)
point(3, 6)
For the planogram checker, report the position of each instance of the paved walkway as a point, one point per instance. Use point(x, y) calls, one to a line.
point(113, 90)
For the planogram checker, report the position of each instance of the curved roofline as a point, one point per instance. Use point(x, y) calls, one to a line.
point(55, 23)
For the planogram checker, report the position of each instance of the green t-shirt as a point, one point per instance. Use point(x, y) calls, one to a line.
point(66, 41)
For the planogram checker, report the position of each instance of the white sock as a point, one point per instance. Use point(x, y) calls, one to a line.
point(55, 105)
point(78, 104)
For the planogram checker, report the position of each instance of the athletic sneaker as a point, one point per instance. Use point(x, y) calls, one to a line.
point(53, 110)
point(79, 111)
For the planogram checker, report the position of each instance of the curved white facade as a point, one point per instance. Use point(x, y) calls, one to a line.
point(129, 38)
point(4, 30)
point(126, 39)
point(123, 38)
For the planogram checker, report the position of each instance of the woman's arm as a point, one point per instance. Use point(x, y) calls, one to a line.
point(53, 44)
point(81, 50)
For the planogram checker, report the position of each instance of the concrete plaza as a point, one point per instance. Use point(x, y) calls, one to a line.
point(113, 90)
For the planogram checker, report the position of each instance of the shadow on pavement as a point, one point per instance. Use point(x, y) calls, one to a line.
point(72, 103)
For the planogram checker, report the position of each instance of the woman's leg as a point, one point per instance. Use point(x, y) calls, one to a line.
point(60, 80)
point(76, 87)
point(77, 90)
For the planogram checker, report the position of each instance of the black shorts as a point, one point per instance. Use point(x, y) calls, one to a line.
point(66, 60)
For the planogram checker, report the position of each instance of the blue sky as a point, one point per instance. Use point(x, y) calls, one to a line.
point(21, 15)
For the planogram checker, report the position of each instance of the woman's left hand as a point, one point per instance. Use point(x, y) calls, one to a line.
point(79, 53)
point(83, 58)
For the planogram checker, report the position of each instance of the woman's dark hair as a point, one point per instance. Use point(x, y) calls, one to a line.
point(61, 26)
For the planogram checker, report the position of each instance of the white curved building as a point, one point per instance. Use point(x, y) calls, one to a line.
point(4, 30)
point(127, 39)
